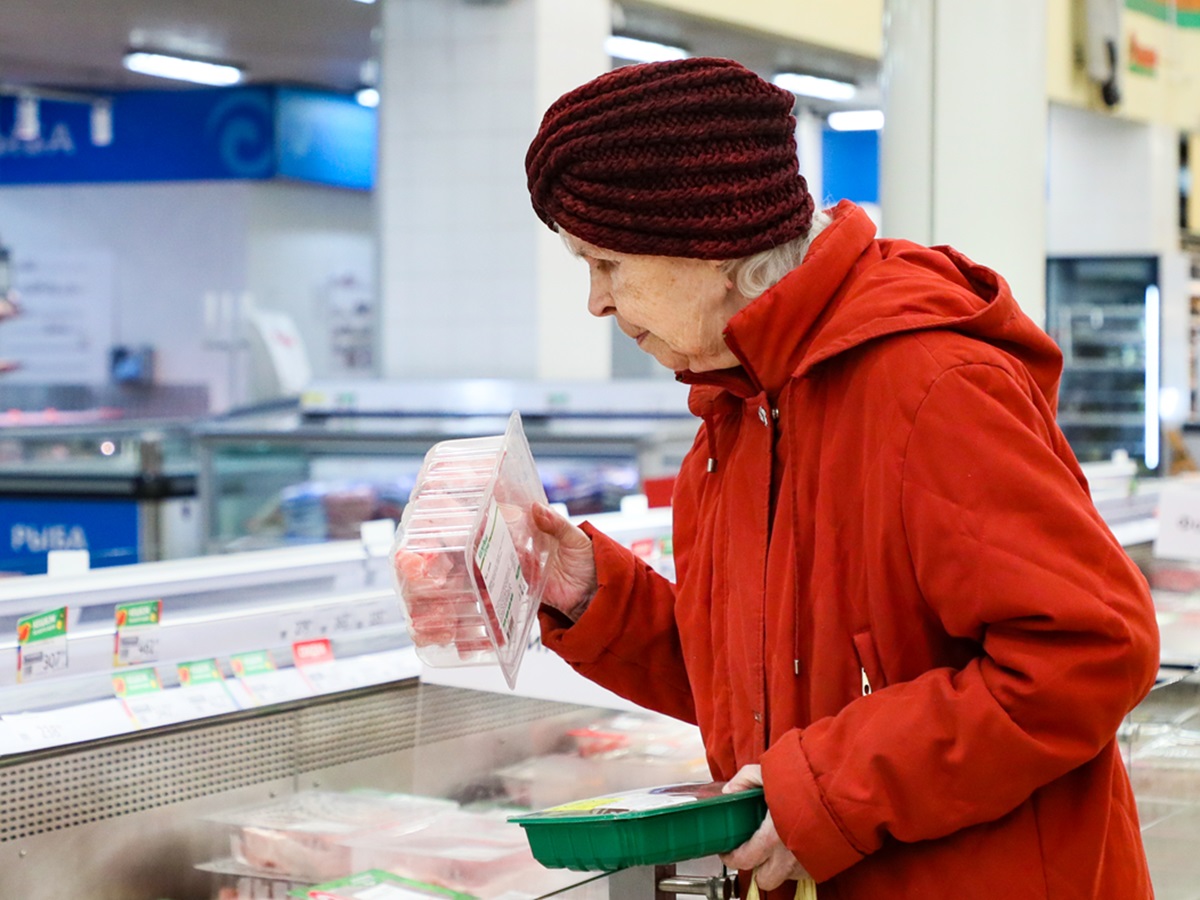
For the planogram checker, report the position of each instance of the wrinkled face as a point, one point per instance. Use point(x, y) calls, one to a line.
point(676, 309)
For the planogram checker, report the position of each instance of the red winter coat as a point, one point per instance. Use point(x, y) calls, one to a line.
point(893, 590)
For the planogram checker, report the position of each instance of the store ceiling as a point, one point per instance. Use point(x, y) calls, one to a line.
point(78, 44)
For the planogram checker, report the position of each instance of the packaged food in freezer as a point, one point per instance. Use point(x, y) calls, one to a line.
point(645, 827)
point(304, 835)
point(468, 561)
point(463, 851)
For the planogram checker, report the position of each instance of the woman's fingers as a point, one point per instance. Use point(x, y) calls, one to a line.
point(756, 850)
point(558, 527)
point(571, 577)
point(746, 777)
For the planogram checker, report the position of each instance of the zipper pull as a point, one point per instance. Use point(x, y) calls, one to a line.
point(866, 682)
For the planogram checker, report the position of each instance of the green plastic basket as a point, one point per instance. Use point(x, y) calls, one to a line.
point(598, 835)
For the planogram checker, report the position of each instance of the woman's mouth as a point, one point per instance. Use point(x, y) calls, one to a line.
point(641, 337)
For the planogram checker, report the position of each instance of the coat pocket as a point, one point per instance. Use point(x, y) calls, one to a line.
point(870, 670)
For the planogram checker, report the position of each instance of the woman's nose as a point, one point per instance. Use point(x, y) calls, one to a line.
point(599, 298)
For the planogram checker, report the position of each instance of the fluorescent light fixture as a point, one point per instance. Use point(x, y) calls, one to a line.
point(368, 97)
point(814, 86)
point(1152, 376)
point(637, 50)
point(181, 69)
point(28, 126)
point(102, 129)
point(856, 120)
point(366, 1)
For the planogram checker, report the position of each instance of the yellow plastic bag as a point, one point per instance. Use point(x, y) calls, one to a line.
point(806, 889)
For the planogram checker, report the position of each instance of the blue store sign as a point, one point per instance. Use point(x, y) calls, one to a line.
point(31, 528)
point(197, 135)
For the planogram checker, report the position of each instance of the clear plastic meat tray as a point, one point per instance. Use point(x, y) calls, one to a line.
point(304, 836)
point(467, 559)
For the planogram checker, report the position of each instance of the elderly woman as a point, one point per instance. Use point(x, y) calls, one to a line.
point(897, 608)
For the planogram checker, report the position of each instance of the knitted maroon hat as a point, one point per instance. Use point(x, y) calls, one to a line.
point(693, 158)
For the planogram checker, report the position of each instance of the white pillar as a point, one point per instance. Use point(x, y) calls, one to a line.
point(471, 283)
point(963, 150)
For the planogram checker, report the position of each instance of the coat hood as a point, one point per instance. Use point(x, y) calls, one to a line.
point(852, 289)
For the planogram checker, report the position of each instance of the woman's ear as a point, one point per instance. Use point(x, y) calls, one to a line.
point(725, 267)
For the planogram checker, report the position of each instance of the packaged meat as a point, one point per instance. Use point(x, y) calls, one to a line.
point(462, 851)
point(646, 827)
point(304, 836)
point(468, 561)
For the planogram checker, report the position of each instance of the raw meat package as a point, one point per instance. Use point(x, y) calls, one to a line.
point(646, 827)
point(467, 559)
point(303, 836)
point(463, 851)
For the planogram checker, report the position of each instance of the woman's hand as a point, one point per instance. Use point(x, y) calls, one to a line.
point(764, 854)
point(571, 574)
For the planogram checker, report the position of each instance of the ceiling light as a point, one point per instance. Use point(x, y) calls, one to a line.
point(366, 1)
point(181, 69)
point(813, 86)
point(856, 120)
point(28, 126)
point(636, 50)
point(368, 97)
point(102, 133)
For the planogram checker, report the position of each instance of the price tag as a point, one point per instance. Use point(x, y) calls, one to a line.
point(138, 633)
point(379, 613)
point(315, 661)
point(1178, 523)
point(203, 688)
point(142, 695)
point(305, 625)
point(42, 644)
point(33, 731)
point(22, 732)
point(261, 683)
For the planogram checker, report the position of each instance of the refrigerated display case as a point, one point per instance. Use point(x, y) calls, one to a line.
point(125, 491)
point(137, 788)
point(1104, 312)
point(151, 792)
point(350, 451)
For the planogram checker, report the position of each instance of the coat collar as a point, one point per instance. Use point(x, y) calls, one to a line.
point(772, 334)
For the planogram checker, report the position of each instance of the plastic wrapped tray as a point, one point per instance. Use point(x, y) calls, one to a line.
point(304, 836)
point(465, 851)
point(467, 560)
point(647, 827)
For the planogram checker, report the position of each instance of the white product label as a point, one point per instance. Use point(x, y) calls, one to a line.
point(48, 657)
point(497, 559)
point(137, 645)
point(1178, 523)
point(200, 700)
point(279, 686)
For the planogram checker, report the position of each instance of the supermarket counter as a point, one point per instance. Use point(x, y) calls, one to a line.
point(145, 708)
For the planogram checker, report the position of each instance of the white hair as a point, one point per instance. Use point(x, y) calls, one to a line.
point(754, 274)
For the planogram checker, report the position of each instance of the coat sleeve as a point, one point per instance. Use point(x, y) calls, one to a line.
point(626, 640)
point(1009, 552)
